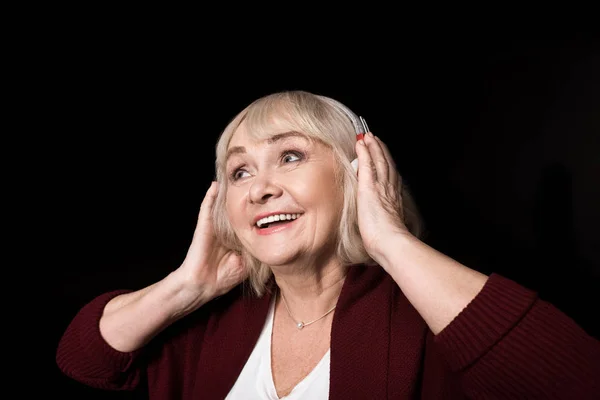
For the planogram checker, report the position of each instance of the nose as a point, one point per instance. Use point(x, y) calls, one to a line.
point(262, 189)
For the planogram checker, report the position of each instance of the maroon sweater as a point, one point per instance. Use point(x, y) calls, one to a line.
point(506, 344)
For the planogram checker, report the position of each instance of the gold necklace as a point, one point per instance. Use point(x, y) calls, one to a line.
point(302, 324)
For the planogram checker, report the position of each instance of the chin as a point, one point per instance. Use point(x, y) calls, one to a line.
point(276, 260)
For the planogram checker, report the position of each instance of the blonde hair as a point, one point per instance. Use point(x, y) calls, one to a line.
point(319, 120)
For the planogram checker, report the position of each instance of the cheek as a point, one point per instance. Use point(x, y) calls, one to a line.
point(325, 189)
point(233, 209)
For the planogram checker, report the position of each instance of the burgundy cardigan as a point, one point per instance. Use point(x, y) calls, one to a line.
point(506, 344)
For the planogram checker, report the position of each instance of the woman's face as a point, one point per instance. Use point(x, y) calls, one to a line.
point(283, 175)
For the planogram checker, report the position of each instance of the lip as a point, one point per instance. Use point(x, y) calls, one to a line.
point(264, 215)
point(274, 229)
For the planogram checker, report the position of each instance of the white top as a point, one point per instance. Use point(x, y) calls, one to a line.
point(256, 379)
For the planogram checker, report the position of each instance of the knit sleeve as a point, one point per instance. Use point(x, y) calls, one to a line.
point(508, 343)
point(85, 356)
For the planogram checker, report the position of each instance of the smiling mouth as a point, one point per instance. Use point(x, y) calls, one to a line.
point(275, 220)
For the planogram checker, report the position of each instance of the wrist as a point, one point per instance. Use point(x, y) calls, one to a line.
point(182, 295)
point(389, 252)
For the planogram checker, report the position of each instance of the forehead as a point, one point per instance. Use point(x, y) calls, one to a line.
point(245, 135)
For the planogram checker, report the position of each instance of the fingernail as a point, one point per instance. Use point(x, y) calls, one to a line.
point(370, 134)
point(362, 142)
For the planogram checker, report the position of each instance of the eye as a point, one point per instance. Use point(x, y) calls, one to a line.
point(287, 157)
point(236, 174)
point(291, 153)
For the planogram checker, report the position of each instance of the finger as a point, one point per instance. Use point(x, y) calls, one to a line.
point(208, 201)
point(393, 175)
point(366, 168)
point(378, 157)
point(204, 219)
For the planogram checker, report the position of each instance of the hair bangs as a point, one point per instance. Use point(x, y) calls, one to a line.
point(279, 114)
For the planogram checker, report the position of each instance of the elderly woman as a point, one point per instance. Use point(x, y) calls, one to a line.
point(307, 280)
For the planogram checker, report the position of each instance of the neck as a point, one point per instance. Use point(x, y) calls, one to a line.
point(310, 292)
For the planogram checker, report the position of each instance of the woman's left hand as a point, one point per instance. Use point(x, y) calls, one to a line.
point(380, 213)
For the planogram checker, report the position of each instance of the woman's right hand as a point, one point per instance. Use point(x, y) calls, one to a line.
point(209, 267)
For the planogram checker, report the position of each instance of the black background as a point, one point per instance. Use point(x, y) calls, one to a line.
point(496, 134)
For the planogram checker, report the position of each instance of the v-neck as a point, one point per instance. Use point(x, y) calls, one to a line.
point(296, 393)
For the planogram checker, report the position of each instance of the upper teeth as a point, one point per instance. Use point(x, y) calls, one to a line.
point(273, 218)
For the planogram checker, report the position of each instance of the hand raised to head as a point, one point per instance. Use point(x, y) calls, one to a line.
point(209, 265)
point(380, 212)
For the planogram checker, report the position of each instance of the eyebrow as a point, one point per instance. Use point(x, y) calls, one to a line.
point(270, 140)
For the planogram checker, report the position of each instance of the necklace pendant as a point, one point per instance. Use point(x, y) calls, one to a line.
point(300, 325)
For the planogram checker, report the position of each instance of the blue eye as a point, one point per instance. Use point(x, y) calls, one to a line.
point(235, 176)
point(288, 153)
point(285, 158)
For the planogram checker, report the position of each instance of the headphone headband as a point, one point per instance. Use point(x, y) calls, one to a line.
point(358, 122)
